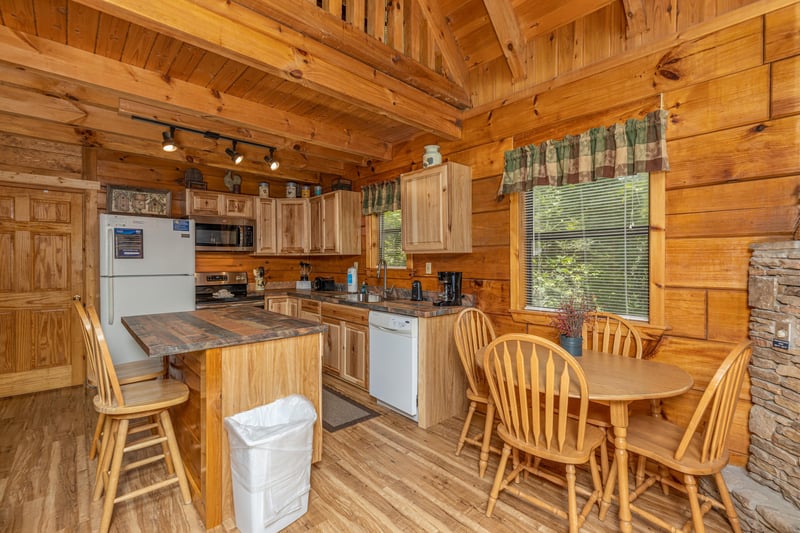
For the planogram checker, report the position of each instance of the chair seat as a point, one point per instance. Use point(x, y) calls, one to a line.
point(657, 439)
point(569, 454)
point(480, 395)
point(141, 370)
point(146, 396)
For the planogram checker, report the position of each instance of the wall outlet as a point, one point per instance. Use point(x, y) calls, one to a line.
point(356, 265)
point(783, 331)
point(427, 268)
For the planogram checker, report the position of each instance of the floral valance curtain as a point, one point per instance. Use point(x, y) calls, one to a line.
point(623, 149)
point(377, 198)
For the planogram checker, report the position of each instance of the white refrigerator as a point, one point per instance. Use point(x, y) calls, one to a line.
point(146, 266)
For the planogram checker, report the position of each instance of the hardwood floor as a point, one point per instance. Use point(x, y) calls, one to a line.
point(384, 474)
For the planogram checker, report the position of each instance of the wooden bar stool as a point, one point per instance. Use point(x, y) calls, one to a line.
point(120, 404)
point(132, 372)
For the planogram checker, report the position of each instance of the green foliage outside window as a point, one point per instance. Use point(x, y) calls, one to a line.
point(390, 239)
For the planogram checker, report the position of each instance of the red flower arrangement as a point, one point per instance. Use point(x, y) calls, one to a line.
point(569, 317)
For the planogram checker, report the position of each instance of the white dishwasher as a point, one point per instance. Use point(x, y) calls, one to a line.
point(393, 355)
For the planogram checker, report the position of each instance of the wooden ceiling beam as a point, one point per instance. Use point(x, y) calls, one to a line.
point(443, 35)
point(506, 27)
point(29, 52)
point(246, 37)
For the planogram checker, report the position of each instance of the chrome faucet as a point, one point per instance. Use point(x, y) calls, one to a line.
point(382, 266)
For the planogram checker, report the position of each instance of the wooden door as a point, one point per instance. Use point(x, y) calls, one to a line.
point(332, 347)
point(317, 225)
point(265, 226)
point(425, 215)
point(41, 269)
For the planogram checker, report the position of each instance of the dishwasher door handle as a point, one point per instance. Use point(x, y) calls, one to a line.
point(402, 332)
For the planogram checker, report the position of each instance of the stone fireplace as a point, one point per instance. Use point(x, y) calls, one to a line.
point(767, 494)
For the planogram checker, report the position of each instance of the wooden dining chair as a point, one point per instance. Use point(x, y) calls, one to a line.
point(531, 380)
point(472, 331)
point(609, 333)
point(699, 449)
point(120, 404)
point(131, 372)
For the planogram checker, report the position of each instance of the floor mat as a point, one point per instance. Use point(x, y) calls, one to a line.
point(339, 412)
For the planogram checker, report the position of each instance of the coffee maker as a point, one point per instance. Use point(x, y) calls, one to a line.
point(450, 283)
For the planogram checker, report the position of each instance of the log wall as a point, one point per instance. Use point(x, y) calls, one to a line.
point(733, 143)
point(733, 93)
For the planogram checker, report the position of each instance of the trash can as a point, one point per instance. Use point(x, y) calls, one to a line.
point(271, 463)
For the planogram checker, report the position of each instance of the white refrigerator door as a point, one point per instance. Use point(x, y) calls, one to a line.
point(140, 295)
point(144, 246)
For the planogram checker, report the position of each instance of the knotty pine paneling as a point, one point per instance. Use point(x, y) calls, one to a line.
point(719, 263)
point(686, 312)
point(777, 221)
point(733, 100)
point(490, 229)
point(764, 193)
point(484, 196)
point(756, 150)
point(728, 316)
point(782, 39)
point(786, 87)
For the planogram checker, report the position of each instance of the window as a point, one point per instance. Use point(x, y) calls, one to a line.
point(390, 243)
point(591, 237)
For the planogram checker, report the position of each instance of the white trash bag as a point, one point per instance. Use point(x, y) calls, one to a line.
point(271, 463)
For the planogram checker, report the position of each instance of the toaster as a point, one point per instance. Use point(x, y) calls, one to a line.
point(323, 284)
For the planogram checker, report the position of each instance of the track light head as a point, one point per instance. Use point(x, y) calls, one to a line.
point(235, 156)
point(270, 159)
point(168, 144)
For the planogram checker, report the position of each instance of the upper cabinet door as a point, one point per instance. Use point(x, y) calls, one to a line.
point(436, 205)
point(293, 225)
point(266, 226)
point(336, 223)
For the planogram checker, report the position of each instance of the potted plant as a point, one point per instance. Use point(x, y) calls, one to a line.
point(568, 320)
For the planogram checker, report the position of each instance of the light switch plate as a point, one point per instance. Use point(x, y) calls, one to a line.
point(783, 331)
point(427, 268)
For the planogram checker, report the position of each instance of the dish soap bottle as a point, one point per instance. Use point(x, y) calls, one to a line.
point(352, 279)
point(364, 288)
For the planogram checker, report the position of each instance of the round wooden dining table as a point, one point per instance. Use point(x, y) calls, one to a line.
point(618, 381)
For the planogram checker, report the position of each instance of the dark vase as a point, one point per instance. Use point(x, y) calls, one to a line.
point(573, 345)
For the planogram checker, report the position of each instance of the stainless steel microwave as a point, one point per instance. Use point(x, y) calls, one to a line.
point(222, 234)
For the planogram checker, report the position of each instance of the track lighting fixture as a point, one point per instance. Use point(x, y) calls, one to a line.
point(168, 145)
point(270, 159)
point(235, 156)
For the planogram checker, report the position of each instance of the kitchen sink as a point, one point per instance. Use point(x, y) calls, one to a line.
point(369, 298)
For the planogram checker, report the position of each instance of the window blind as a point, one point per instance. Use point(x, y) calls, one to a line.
point(589, 238)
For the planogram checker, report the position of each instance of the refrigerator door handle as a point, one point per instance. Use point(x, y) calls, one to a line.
point(110, 270)
point(110, 300)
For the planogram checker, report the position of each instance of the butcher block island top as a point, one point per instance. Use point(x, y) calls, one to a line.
point(189, 331)
point(232, 359)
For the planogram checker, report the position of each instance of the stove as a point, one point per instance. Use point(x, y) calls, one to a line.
point(223, 289)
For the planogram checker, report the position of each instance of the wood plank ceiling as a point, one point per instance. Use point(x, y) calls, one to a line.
point(284, 73)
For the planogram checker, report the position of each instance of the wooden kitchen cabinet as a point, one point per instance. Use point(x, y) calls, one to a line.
point(436, 203)
point(266, 227)
point(219, 204)
point(292, 230)
point(346, 346)
point(336, 223)
point(284, 305)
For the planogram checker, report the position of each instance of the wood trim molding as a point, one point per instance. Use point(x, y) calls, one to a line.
point(25, 179)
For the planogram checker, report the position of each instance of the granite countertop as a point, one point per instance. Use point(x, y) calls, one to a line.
point(400, 306)
point(172, 333)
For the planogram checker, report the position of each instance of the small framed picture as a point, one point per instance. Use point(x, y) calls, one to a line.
point(130, 201)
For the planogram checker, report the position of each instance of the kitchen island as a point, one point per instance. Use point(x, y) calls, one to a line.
point(232, 359)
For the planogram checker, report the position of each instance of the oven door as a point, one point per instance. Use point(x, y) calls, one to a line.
point(231, 303)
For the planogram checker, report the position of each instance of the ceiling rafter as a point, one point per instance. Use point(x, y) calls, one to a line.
point(506, 27)
point(451, 52)
point(258, 42)
point(303, 16)
point(128, 81)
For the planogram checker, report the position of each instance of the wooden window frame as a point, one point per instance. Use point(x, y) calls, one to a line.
point(656, 324)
